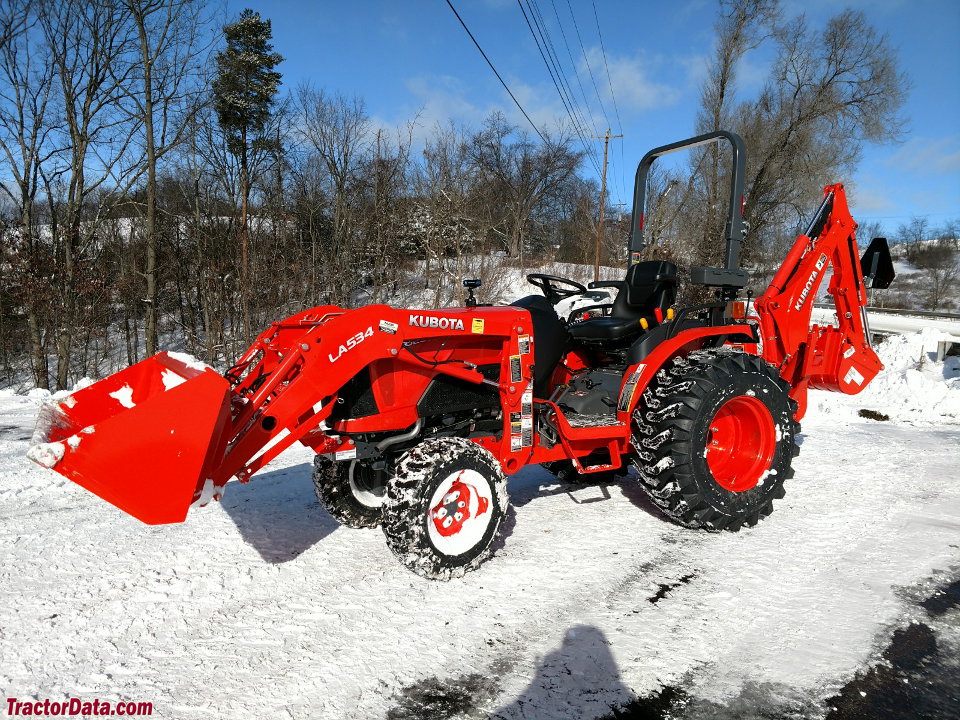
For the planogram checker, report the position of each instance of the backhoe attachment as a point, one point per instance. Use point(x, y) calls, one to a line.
point(838, 358)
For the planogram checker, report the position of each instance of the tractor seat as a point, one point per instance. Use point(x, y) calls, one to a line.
point(647, 286)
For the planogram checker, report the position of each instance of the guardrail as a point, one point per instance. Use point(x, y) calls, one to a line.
point(891, 321)
point(901, 311)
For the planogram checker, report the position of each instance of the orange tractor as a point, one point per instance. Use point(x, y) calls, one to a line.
point(416, 417)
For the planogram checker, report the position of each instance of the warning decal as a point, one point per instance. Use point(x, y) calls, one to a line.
point(516, 369)
point(853, 376)
point(629, 388)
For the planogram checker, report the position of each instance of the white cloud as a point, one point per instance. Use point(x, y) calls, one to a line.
point(441, 98)
point(630, 78)
point(696, 68)
point(866, 199)
point(928, 156)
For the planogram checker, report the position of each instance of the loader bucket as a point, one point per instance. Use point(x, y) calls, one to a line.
point(144, 439)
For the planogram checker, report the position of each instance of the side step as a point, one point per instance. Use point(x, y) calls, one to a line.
point(595, 429)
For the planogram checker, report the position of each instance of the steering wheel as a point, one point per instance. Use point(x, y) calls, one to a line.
point(549, 285)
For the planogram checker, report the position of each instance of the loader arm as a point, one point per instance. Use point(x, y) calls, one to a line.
point(841, 358)
point(286, 384)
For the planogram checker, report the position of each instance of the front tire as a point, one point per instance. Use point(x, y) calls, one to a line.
point(444, 506)
point(349, 490)
point(714, 439)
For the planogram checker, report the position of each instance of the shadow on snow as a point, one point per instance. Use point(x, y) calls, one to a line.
point(278, 514)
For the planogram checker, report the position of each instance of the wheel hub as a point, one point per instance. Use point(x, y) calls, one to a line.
point(459, 512)
point(453, 510)
point(741, 443)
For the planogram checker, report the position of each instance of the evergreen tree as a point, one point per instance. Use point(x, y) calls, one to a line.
point(243, 93)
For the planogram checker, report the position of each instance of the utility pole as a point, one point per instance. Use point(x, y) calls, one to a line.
point(603, 193)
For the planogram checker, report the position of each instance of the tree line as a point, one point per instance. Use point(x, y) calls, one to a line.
point(153, 202)
point(161, 187)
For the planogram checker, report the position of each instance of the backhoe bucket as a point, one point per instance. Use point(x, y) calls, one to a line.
point(144, 439)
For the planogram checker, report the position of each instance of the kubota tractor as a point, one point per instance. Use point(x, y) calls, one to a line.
point(417, 416)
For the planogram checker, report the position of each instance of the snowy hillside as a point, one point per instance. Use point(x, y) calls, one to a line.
point(263, 606)
point(928, 276)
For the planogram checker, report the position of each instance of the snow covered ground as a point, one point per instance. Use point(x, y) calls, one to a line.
point(262, 606)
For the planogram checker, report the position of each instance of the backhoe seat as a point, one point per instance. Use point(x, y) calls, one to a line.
point(648, 285)
point(550, 341)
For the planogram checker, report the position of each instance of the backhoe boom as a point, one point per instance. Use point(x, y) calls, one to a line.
point(838, 358)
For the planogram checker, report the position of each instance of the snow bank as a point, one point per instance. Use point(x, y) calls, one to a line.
point(43, 396)
point(189, 360)
point(47, 454)
point(49, 416)
point(912, 387)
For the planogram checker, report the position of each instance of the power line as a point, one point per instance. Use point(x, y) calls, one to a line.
point(619, 171)
point(505, 87)
point(586, 60)
point(556, 76)
point(573, 66)
point(542, 26)
point(556, 84)
point(613, 96)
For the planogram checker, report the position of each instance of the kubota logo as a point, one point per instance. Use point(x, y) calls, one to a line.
point(821, 262)
point(430, 321)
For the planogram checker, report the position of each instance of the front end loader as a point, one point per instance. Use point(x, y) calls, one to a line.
point(416, 417)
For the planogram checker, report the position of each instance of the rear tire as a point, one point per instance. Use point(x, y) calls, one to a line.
point(714, 439)
point(349, 490)
point(444, 506)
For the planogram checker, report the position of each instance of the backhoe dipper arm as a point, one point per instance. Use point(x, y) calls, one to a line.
point(839, 358)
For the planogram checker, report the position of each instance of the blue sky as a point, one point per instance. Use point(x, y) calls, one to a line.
point(412, 56)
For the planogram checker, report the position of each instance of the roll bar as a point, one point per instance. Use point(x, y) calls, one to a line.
point(735, 228)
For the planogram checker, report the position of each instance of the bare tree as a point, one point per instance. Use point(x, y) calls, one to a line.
point(741, 27)
point(937, 254)
point(521, 173)
point(90, 44)
point(386, 175)
point(337, 131)
point(27, 122)
point(444, 182)
point(914, 232)
point(830, 90)
point(163, 93)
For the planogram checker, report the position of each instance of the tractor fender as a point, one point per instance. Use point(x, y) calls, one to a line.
point(646, 360)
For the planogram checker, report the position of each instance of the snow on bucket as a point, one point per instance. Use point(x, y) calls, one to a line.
point(143, 439)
